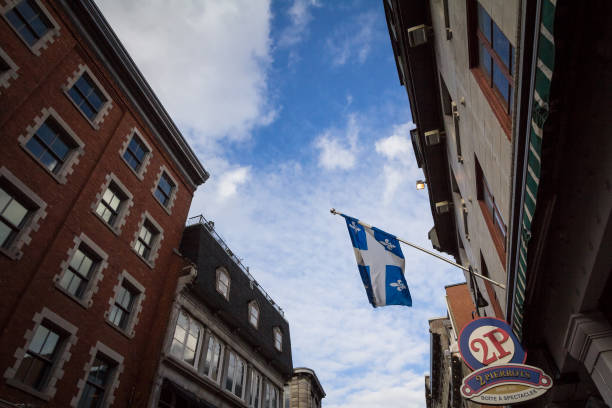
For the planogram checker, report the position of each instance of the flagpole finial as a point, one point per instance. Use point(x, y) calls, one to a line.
point(333, 211)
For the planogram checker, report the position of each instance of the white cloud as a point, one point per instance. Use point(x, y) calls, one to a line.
point(299, 15)
point(301, 255)
point(231, 180)
point(398, 145)
point(352, 41)
point(207, 61)
point(338, 149)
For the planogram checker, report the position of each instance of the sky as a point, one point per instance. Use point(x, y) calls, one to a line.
point(295, 107)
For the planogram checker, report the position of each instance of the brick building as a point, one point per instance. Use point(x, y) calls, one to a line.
point(228, 343)
point(95, 185)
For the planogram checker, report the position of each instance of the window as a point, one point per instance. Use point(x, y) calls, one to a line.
point(113, 203)
point(271, 396)
point(493, 56)
point(40, 356)
point(254, 313)
point(164, 189)
point(8, 70)
point(254, 399)
point(13, 216)
point(97, 382)
point(490, 210)
point(88, 95)
point(278, 339)
point(147, 239)
point(446, 98)
point(124, 304)
point(32, 23)
point(186, 339)
point(211, 363)
point(82, 270)
point(135, 153)
point(236, 375)
point(223, 282)
point(51, 146)
point(76, 278)
point(493, 300)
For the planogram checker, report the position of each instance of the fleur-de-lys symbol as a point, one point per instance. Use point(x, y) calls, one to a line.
point(387, 244)
point(354, 227)
point(399, 285)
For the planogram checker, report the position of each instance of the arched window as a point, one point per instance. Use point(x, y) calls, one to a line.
point(254, 313)
point(223, 282)
point(278, 339)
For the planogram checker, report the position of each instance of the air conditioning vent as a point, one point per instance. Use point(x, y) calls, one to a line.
point(432, 137)
point(417, 35)
point(442, 207)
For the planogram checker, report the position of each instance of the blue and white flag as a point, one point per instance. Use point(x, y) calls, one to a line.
point(381, 264)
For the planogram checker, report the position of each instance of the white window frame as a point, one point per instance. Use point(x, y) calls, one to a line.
point(134, 132)
point(124, 207)
point(238, 358)
point(269, 386)
point(11, 74)
point(204, 353)
point(221, 270)
point(104, 111)
point(253, 306)
point(252, 375)
point(35, 215)
point(130, 327)
point(42, 42)
point(96, 275)
point(63, 355)
point(74, 156)
point(167, 207)
point(278, 332)
point(198, 348)
point(113, 381)
point(155, 246)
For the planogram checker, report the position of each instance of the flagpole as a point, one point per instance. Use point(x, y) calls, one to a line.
point(467, 269)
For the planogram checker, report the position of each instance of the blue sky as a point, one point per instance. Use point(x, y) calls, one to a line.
point(295, 107)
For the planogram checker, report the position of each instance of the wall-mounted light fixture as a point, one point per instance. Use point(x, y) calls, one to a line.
point(420, 184)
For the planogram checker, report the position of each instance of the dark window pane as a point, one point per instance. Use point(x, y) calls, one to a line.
point(26, 10)
point(39, 27)
point(88, 111)
point(501, 46)
point(60, 148)
point(49, 161)
point(501, 83)
point(485, 60)
point(35, 147)
point(14, 19)
point(5, 234)
point(96, 100)
point(484, 22)
point(46, 133)
point(76, 96)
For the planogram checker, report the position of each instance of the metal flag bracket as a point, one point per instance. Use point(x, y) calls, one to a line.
point(468, 269)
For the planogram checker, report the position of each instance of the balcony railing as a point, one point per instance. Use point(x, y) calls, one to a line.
point(210, 227)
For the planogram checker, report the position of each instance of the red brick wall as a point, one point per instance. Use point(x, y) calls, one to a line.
point(27, 284)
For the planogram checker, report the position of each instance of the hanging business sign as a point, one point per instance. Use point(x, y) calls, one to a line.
point(489, 347)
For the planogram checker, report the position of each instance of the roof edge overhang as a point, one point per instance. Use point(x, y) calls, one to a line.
point(93, 26)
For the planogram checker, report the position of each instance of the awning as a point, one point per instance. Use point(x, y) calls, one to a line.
point(539, 114)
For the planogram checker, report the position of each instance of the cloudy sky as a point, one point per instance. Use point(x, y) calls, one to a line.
point(295, 107)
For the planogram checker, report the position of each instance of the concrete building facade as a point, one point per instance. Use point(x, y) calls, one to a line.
point(95, 185)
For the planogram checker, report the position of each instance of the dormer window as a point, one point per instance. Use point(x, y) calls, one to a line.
point(278, 339)
point(254, 313)
point(223, 282)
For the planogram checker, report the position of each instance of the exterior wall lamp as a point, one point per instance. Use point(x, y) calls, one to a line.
point(420, 184)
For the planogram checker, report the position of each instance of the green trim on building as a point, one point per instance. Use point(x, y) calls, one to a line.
point(539, 114)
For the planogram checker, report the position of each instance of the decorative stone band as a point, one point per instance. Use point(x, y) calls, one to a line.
point(505, 384)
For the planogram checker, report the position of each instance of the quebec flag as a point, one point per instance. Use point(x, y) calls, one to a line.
point(381, 264)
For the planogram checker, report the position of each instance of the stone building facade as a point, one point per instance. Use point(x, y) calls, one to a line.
point(510, 103)
point(304, 390)
point(95, 186)
point(228, 343)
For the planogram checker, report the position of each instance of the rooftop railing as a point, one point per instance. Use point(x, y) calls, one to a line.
point(210, 227)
